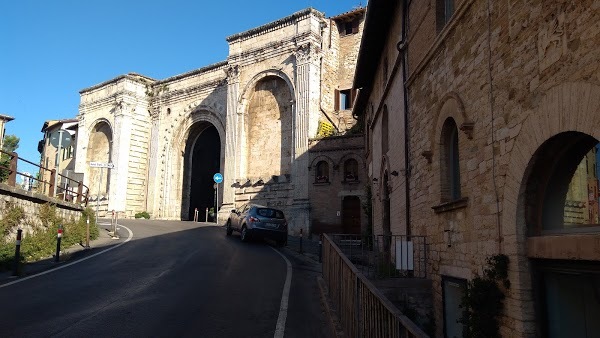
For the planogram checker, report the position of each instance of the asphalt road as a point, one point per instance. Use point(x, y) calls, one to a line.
point(172, 279)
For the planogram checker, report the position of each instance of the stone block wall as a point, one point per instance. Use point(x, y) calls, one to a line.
point(511, 75)
point(31, 203)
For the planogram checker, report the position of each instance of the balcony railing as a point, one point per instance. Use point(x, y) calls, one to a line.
point(9, 164)
point(363, 310)
point(385, 256)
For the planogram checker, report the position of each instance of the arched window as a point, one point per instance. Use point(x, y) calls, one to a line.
point(350, 170)
point(563, 187)
point(450, 166)
point(322, 172)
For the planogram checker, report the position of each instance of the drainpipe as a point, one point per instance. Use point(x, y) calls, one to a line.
point(402, 48)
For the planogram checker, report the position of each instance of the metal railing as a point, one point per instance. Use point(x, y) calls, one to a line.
point(363, 310)
point(9, 171)
point(385, 256)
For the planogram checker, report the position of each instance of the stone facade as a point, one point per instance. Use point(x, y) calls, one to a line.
point(337, 201)
point(519, 80)
point(278, 84)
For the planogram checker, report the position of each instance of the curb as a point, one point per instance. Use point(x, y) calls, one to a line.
point(334, 321)
point(69, 254)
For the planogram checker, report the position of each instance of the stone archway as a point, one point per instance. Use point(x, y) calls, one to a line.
point(567, 108)
point(99, 150)
point(202, 159)
point(269, 128)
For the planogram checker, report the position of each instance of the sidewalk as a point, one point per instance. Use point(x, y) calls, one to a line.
point(67, 255)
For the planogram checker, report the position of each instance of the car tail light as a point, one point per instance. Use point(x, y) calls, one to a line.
point(253, 220)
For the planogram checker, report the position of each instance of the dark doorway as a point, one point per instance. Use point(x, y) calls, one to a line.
point(351, 215)
point(205, 160)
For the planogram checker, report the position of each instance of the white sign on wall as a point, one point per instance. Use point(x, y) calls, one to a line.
point(102, 165)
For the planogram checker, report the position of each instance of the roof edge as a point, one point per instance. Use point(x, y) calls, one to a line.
point(272, 24)
point(130, 76)
point(193, 72)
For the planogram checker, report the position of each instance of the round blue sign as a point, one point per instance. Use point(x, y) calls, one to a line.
point(218, 178)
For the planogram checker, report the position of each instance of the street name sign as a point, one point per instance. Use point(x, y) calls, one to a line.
point(102, 165)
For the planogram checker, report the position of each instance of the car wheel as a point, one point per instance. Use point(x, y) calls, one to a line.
point(244, 234)
point(228, 228)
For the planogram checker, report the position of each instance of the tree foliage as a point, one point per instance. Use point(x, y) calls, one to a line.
point(11, 144)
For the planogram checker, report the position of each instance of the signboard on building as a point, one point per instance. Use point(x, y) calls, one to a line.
point(109, 165)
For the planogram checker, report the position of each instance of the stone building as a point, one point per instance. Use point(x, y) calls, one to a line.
point(4, 119)
point(63, 162)
point(482, 130)
point(250, 117)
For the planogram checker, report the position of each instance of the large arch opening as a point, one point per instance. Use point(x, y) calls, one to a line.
point(99, 150)
point(269, 128)
point(202, 160)
point(561, 193)
point(560, 208)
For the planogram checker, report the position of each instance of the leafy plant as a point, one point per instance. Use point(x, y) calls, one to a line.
point(11, 218)
point(41, 242)
point(483, 300)
point(143, 214)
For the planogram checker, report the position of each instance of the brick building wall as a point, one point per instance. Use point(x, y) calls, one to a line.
point(512, 75)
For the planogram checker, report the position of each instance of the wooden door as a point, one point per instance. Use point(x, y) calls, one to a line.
point(351, 215)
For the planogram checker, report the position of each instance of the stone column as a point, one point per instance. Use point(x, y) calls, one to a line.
point(232, 151)
point(307, 85)
point(153, 186)
point(120, 146)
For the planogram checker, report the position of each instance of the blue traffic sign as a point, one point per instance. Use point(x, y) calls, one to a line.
point(218, 178)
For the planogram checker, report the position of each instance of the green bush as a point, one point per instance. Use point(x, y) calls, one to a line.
point(11, 218)
point(483, 301)
point(42, 242)
point(143, 214)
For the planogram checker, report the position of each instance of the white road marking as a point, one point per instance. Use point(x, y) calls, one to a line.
point(72, 263)
point(280, 328)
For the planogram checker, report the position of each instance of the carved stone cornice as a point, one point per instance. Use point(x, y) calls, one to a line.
point(307, 53)
point(121, 107)
point(233, 74)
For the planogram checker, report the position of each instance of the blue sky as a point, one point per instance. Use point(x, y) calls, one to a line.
point(50, 50)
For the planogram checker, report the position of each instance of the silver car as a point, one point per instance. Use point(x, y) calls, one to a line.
point(257, 221)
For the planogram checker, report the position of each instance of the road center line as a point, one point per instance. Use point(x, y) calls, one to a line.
point(280, 328)
point(75, 262)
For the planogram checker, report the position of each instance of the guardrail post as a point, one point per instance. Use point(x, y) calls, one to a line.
point(58, 238)
point(87, 233)
point(300, 240)
point(17, 253)
point(12, 176)
point(320, 248)
point(51, 183)
point(79, 192)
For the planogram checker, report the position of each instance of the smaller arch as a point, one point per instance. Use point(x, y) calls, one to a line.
point(98, 121)
point(450, 106)
point(243, 99)
point(322, 173)
point(200, 114)
point(350, 169)
point(346, 156)
point(313, 163)
point(449, 162)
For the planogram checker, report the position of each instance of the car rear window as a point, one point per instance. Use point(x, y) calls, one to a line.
point(271, 213)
